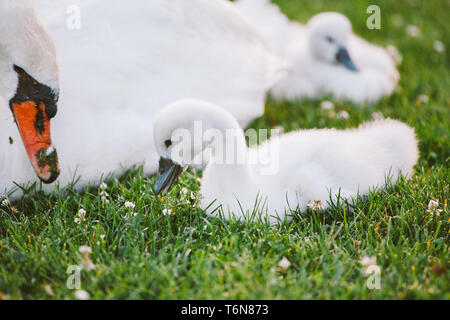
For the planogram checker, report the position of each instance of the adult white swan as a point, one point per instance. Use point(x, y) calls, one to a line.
point(127, 60)
point(287, 172)
point(326, 57)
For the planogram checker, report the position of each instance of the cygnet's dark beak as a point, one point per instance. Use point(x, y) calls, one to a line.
point(343, 58)
point(167, 174)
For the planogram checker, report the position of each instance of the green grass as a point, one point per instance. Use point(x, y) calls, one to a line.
point(189, 256)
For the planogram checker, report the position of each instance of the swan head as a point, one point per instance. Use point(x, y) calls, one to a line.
point(182, 131)
point(29, 84)
point(329, 33)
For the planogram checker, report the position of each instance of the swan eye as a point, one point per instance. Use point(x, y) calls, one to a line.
point(329, 39)
point(168, 143)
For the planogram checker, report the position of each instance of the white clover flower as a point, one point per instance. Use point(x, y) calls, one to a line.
point(104, 199)
point(129, 204)
point(104, 193)
point(413, 31)
point(81, 216)
point(327, 105)
point(433, 203)
point(167, 212)
point(377, 116)
point(423, 98)
point(103, 186)
point(48, 289)
point(129, 215)
point(343, 115)
point(87, 264)
point(438, 46)
point(433, 208)
point(82, 295)
point(104, 196)
point(284, 264)
point(394, 53)
point(368, 261)
point(188, 195)
point(85, 250)
point(316, 205)
point(5, 202)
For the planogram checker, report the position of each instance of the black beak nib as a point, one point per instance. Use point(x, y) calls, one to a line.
point(167, 174)
point(344, 58)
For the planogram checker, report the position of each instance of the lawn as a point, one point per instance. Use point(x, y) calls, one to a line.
point(166, 248)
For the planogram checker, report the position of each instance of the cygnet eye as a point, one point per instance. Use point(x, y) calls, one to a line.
point(168, 143)
point(329, 39)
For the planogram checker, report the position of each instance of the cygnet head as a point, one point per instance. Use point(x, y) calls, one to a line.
point(182, 131)
point(29, 83)
point(329, 33)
